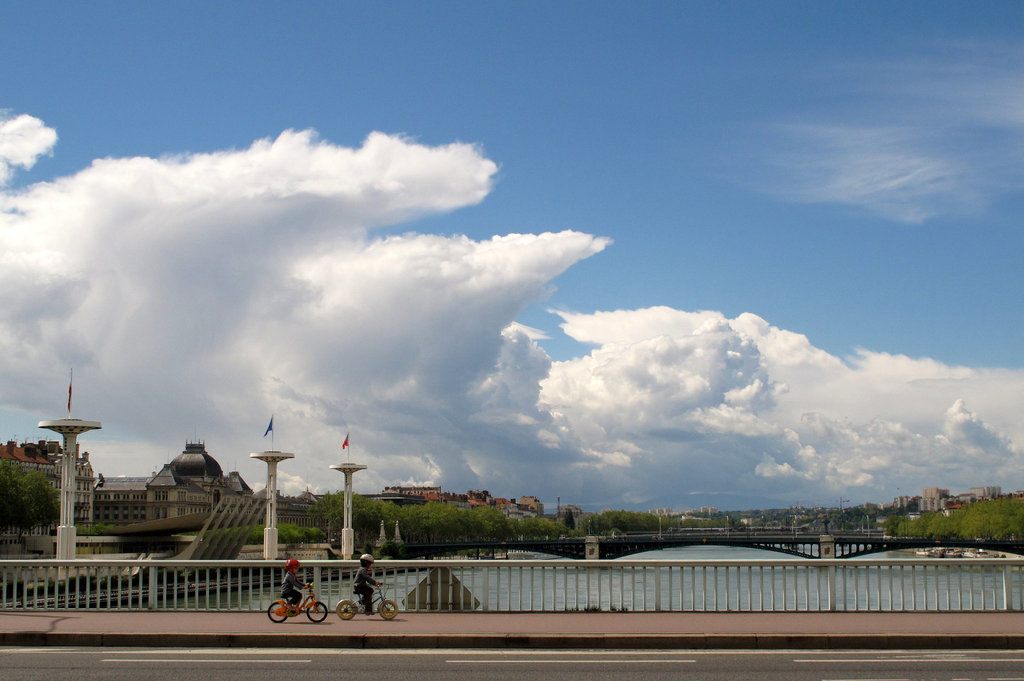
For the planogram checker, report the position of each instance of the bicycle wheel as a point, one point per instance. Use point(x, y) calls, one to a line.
point(346, 609)
point(387, 610)
point(277, 612)
point(317, 612)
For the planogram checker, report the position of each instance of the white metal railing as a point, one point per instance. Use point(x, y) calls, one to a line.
point(529, 585)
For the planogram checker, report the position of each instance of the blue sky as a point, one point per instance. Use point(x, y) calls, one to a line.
point(848, 173)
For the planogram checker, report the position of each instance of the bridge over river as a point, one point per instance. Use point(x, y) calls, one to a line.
point(806, 545)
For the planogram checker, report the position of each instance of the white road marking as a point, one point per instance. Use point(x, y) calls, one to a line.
point(890, 660)
point(631, 661)
point(343, 651)
point(233, 660)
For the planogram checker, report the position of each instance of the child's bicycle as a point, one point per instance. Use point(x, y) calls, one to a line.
point(315, 610)
point(347, 609)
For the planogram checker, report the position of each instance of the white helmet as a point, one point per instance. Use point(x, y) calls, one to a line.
point(366, 558)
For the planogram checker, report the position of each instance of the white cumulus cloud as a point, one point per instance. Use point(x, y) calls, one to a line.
point(197, 294)
point(748, 409)
point(23, 139)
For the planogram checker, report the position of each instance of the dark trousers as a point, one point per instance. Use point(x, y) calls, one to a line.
point(293, 597)
point(366, 591)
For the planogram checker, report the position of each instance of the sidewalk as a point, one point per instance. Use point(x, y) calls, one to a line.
point(874, 630)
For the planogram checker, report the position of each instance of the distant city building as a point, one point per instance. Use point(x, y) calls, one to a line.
point(398, 499)
point(527, 508)
point(46, 457)
point(901, 502)
point(990, 492)
point(933, 499)
point(192, 483)
point(411, 491)
point(532, 503)
point(295, 510)
point(573, 511)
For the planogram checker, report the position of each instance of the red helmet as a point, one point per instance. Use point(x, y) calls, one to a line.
point(291, 565)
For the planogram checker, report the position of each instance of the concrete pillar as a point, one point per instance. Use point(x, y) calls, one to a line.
point(826, 546)
point(347, 533)
point(67, 535)
point(271, 458)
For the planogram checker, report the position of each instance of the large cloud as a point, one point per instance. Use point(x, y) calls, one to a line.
point(695, 403)
point(197, 294)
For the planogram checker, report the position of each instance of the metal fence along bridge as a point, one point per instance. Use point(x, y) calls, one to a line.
point(559, 585)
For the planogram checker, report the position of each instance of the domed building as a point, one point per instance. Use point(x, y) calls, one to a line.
point(192, 483)
point(194, 462)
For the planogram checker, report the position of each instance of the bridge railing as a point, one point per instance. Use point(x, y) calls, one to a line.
point(960, 585)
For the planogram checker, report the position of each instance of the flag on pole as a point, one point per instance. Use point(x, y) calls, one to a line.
point(345, 443)
point(70, 383)
point(270, 427)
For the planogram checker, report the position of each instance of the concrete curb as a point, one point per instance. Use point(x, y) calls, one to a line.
point(524, 641)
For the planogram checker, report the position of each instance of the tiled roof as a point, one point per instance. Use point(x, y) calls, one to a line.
point(124, 484)
point(30, 454)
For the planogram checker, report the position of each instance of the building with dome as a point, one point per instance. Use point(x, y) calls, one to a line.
point(192, 484)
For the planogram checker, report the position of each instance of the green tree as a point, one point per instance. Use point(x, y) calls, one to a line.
point(441, 521)
point(894, 525)
point(366, 516)
point(27, 499)
point(289, 533)
point(539, 528)
point(991, 519)
point(329, 509)
point(489, 523)
point(625, 521)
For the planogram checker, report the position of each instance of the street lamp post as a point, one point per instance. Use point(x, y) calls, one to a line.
point(67, 536)
point(272, 458)
point(347, 533)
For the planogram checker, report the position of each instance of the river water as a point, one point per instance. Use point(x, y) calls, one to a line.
point(742, 553)
point(705, 583)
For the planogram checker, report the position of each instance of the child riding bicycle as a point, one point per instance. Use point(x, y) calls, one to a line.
point(363, 581)
point(292, 585)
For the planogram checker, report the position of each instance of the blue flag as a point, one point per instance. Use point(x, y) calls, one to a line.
point(270, 426)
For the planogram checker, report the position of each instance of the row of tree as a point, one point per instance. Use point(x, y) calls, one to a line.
point(27, 499)
point(290, 533)
point(992, 519)
point(435, 521)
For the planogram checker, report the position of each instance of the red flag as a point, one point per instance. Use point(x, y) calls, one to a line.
point(345, 443)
